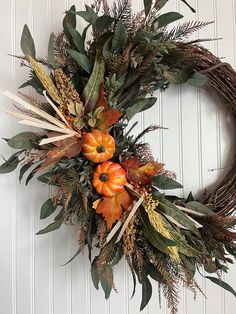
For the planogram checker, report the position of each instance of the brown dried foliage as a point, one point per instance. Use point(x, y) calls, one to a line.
point(102, 231)
point(222, 84)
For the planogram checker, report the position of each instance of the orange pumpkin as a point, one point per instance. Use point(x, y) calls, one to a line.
point(109, 178)
point(98, 146)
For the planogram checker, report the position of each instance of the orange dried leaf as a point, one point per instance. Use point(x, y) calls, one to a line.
point(141, 175)
point(112, 207)
point(67, 148)
point(107, 118)
point(102, 102)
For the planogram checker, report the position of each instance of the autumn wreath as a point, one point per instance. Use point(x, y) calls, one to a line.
point(106, 181)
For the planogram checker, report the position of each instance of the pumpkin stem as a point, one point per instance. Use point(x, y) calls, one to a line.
point(101, 149)
point(104, 177)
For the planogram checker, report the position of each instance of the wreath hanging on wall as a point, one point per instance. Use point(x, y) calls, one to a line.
point(106, 181)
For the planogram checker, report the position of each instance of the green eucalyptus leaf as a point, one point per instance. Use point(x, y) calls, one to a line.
point(153, 273)
point(10, 164)
point(84, 34)
point(106, 50)
point(102, 39)
point(222, 284)
point(69, 19)
point(162, 3)
point(32, 174)
point(147, 6)
point(77, 39)
point(92, 88)
point(165, 183)
point(118, 256)
point(178, 75)
point(89, 15)
point(51, 51)
point(78, 123)
point(134, 281)
point(47, 209)
point(140, 106)
point(103, 22)
point(171, 210)
point(24, 169)
point(60, 215)
point(24, 140)
point(82, 60)
point(73, 257)
point(188, 5)
point(154, 237)
point(190, 264)
point(95, 274)
point(200, 208)
point(198, 80)
point(120, 36)
point(53, 226)
point(27, 42)
point(231, 250)
point(46, 177)
point(167, 18)
point(76, 109)
point(181, 243)
point(146, 293)
point(35, 83)
point(190, 197)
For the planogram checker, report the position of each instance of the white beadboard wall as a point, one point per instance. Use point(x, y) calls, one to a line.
point(198, 139)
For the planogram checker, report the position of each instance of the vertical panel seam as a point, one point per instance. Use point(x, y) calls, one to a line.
point(200, 146)
point(32, 227)
point(14, 199)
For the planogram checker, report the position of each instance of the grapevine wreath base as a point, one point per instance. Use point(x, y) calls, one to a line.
point(106, 181)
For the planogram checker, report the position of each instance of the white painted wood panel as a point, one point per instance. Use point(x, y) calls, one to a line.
point(197, 140)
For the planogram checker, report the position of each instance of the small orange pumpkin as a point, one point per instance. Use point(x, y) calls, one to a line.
point(98, 146)
point(109, 178)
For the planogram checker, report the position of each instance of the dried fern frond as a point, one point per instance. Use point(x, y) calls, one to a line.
point(102, 231)
point(137, 21)
point(68, 184)
point(143, 150)
point(183, 31)
point(147, 130)
point(168, 279)
point(118, 63)
point(106, 255)
point(96, 5)
point(138, 261)
point(33, 101)
point(82, 235)
point(121, 10)
point(172, 297)
point(61, 46)
point(106, 7)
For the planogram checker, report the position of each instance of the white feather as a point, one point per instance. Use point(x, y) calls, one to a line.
point(55, 139)
point(131, 214)
point(114, 230)
point(191, 211)
point(56, 109)
point(32, 108)
point(47, 126)
point(171, 219)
